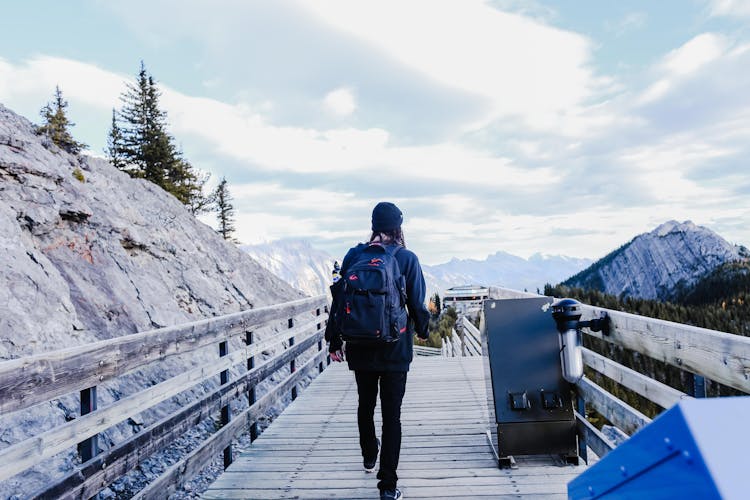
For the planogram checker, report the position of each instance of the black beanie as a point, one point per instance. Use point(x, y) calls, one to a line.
point(386, 217)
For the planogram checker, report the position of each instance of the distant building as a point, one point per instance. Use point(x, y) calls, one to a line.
point(465, 299)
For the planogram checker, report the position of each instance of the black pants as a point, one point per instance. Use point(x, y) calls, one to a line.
point(392, 387)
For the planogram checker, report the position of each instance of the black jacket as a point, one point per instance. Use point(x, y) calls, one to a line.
point(394, 357)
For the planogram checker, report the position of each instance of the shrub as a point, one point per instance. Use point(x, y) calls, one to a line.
point(79, 175)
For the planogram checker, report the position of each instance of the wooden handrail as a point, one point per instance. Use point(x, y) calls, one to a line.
point(618, 412)
point(130, 352)
point(653, 390)
point(24, 454)
point(191, 464)
point(35, 379)
point(719, 356)
point(89, 478)
point(593, 437)
point(472, 336)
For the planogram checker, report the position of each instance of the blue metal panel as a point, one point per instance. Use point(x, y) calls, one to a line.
point(697, 449)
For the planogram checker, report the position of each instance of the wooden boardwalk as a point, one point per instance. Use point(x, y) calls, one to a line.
point(312, 450)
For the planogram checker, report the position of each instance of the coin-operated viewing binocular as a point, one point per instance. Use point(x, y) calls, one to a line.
point(567, 314)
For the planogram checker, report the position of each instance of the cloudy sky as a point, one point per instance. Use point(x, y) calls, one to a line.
point(561, 127)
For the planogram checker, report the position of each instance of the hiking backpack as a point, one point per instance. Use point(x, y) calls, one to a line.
point(370, 299)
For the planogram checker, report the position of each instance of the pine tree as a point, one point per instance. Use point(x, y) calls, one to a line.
point(114, 149)
point(147, 150)
point(56, 124)
point(225, 210)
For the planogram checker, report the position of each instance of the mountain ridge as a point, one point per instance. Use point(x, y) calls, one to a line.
point(659, 264)
point(309, 269)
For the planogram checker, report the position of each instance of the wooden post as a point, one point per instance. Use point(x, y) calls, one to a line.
point(88, 448)
point(226, 411)
point(582, 445)
point(251, 391)
point(293, 362)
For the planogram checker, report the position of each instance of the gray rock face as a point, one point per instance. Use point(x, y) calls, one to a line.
point(87, 260)
point(659, 264)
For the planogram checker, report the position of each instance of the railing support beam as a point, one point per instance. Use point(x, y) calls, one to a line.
point(226, 410)
point(582, 444)
point(293, 362)
point(89, 447)
point(251, 392)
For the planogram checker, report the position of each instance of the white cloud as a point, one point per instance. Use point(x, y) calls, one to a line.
point(243, 133)
point(736, 8)
point(81, 82)
point(651, 153)
point(631, 22)
point(685, 61)
point(694, 54)
point(520, 66)
point(340, 101)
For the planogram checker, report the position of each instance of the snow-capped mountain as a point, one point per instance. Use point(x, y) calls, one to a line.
point(660, 264)
point(296, 262)
point(503, 269)
point(309, 269)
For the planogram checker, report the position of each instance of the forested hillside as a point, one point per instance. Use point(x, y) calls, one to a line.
point(719, 301)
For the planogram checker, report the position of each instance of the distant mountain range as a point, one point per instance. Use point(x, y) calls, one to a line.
point(296, 262)
point(309, 269)
point(664, 264)
point(505, 270)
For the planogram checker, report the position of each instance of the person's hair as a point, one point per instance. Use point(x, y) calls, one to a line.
point(392, 236)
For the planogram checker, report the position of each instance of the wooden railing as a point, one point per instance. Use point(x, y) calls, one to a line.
point(706, 354)
point(420, 350)
point(465, 340)
point(32, 380)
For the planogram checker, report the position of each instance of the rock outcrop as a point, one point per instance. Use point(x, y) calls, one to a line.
point(88, 253)
point(660, 264)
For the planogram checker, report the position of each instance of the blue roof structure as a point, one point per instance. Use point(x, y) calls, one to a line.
point(696, 449)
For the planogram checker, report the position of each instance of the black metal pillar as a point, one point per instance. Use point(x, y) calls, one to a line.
point(88, 448)
point(293, 362)
point(251, 391)
point(226, 413)
point(698, 386)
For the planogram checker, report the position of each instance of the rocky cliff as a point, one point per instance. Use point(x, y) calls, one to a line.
point(88, 253)
point(660, 264)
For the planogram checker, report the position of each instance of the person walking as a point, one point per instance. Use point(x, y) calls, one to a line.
point(382, 363)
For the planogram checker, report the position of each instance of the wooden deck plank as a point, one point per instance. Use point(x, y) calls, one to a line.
point(312, 450)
